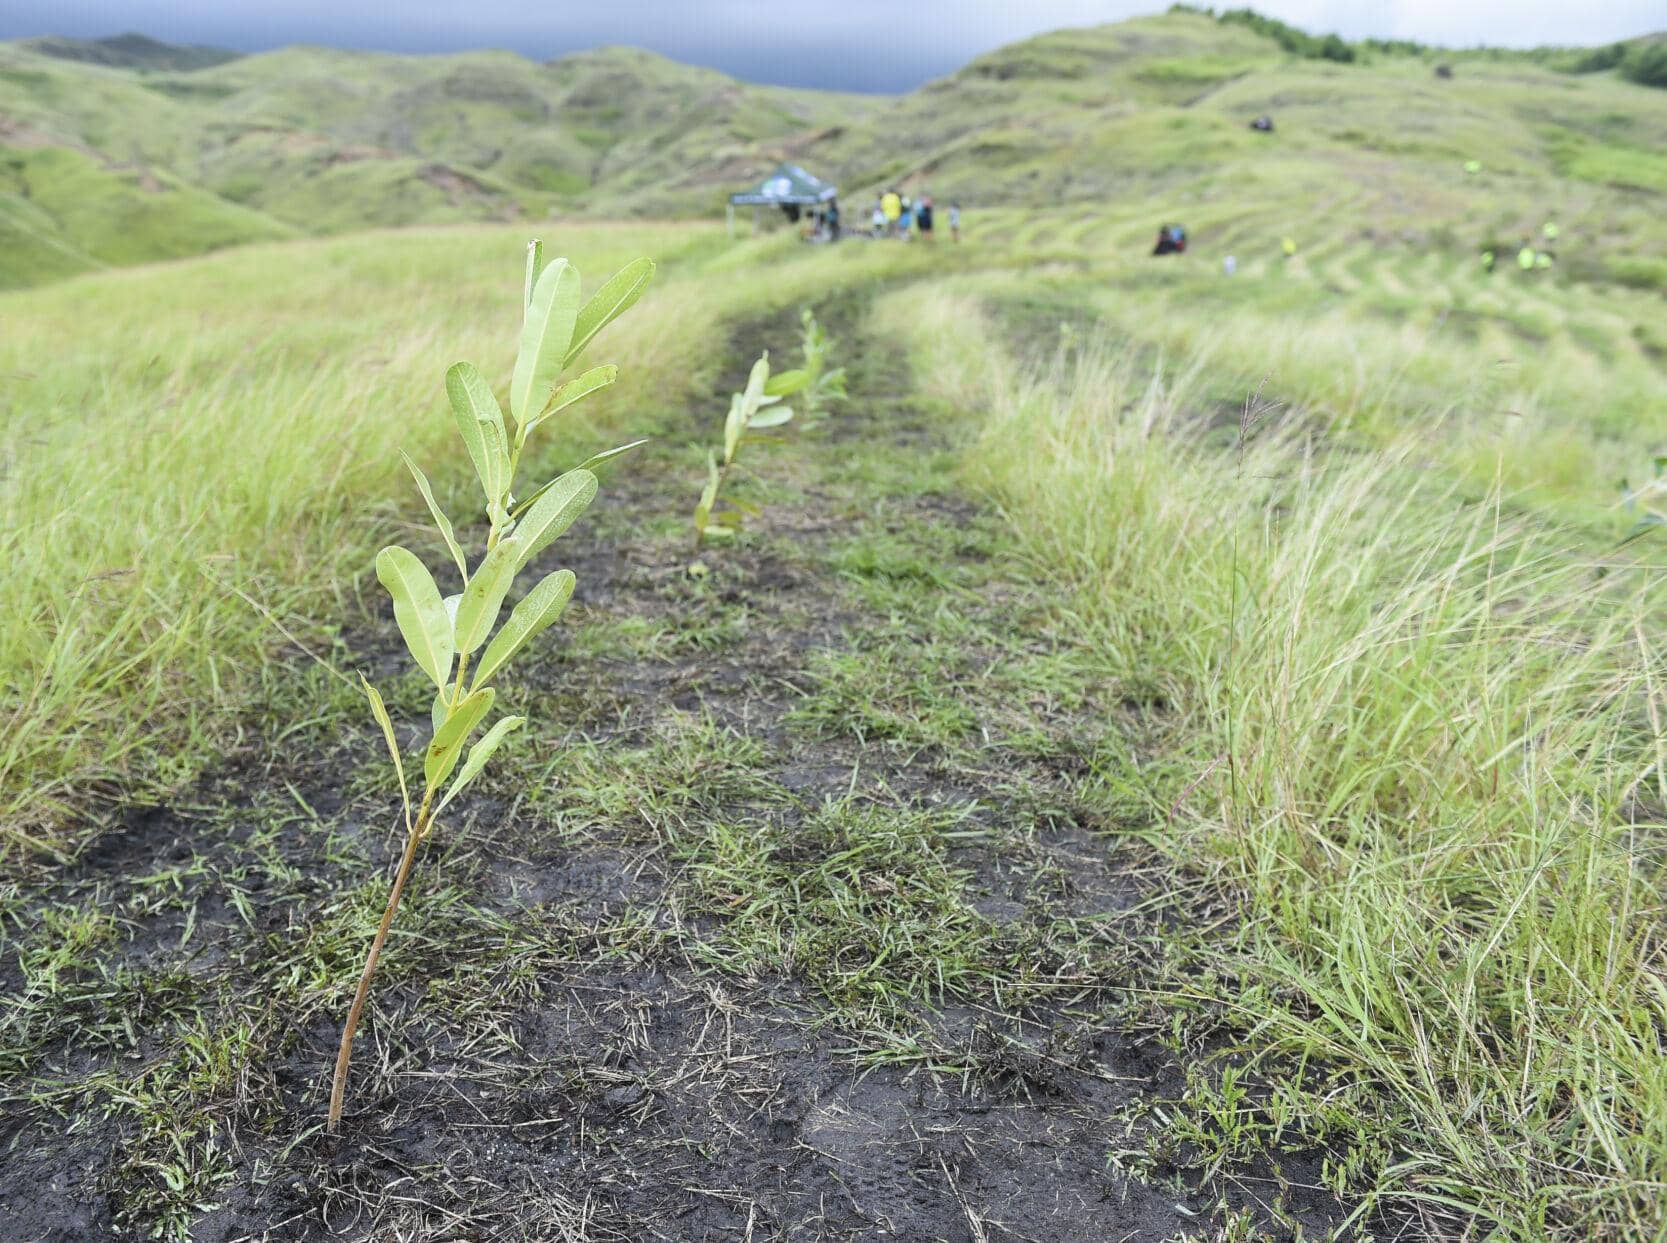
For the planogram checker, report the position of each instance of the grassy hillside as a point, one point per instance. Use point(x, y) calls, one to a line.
point(1151, 112)
point(315, 140)
point(131, 51)
point(1191, 739)
point(1313, 590)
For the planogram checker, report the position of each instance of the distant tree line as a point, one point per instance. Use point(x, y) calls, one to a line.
point(1638, 60)
point(1643, 61)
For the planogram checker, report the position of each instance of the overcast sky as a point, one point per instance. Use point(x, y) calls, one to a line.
point(870, 45)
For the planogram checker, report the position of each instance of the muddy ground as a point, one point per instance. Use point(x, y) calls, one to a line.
point(815, 904)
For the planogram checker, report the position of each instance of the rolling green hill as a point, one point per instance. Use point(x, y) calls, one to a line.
point(126, 150)
point(132, 51)
point(101, 164)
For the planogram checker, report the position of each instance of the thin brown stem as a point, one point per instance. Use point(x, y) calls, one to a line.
point(338, 1090)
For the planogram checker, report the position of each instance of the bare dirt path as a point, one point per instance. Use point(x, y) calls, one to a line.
point(814, 909)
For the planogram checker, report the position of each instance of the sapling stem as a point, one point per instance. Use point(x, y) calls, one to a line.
point(338, 1089)
point(723, 478)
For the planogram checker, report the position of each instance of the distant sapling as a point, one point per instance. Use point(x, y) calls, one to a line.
point(751, 411)
point(823, 386)
point(445, 636)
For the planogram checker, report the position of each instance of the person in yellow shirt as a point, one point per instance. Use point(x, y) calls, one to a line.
point(891, 206)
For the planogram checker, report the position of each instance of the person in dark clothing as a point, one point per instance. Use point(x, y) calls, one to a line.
point(1172, 240)
point(923, 218)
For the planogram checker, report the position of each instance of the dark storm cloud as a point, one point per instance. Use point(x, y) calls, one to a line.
point(874, 45)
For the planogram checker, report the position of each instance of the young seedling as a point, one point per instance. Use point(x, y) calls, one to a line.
point(445, 635)
point(751, 411)
point(822, 387)
point(819, 387)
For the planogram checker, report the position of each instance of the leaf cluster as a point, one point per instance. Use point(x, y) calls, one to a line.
point(823, 386)
point(443, 635)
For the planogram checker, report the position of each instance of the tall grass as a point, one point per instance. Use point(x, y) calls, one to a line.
point(190, 449)
point(1429, 757)
point(189, 446)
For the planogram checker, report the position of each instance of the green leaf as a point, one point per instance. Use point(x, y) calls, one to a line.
point(708, 494)
point(756, 380)
point(439, 710)
point(608, 303)
point(573, 390)
point(448, 740)
point(478, 755)
point(553, 512)
point(786, 383)
point(744, 405)
point(535, 265)
point(538, 610)
point(545, 336)
point(439, 515)
point(775, 416)
point(497, 448)
point(379, 710)
point(607, 455)
point(734, 424)
point(474, 406)
point(418, 609)
point(484, 595)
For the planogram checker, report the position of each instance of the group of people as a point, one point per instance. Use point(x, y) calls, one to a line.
point(896, 215)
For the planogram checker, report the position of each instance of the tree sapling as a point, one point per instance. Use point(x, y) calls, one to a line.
point(445, 635)
point(751, 411)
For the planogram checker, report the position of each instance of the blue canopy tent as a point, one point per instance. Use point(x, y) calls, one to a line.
point(788, 187)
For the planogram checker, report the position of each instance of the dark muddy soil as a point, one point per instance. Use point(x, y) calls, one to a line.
point(597, 1021)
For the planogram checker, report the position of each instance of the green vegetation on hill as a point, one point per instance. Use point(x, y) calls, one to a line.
point(1323, 553)
point(1311, 586)
point(132, 51)
point(316, 140)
